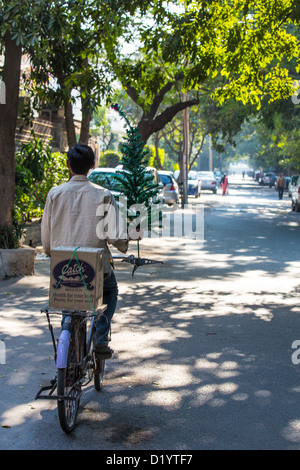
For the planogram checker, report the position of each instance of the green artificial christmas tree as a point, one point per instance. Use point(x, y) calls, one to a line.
point(137, 184)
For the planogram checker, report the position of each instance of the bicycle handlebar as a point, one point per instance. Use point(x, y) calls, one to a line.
point(136, 261)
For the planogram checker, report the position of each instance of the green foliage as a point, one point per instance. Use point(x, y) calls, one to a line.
point(37, 171)
point(10, 235)
point(8, 238)
point(241, 47)
point(153, 157)
point(23, 20)
point(230, 56)
point(109, 159)
point(73, 48)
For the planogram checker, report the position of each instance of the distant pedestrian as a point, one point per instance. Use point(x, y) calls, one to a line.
point(224, 182)
point(280, 185)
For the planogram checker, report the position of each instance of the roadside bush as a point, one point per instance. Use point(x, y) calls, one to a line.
point(109, 159)
point(37, 171)
point(10, 236)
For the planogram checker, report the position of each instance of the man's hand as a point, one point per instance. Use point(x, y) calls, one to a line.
point(136, 234)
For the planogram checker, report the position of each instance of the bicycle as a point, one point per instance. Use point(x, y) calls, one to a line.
point(76, 362)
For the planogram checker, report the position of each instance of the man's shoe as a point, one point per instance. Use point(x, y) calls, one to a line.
point(103, 350)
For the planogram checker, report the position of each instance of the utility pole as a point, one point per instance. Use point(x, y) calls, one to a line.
point(210, 154)
point(185, 153)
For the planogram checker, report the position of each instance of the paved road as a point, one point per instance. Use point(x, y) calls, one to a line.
point(203, 342)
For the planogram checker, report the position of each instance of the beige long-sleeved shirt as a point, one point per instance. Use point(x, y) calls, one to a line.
point(81, 213)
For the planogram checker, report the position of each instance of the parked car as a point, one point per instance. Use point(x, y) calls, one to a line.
point(267, 179)
point(194, 184)
point(157, 180)
point(292, 184)
point(170, 190)
point(271, 179)
point(287, 182)
point(218, 176)
point(105, 177)
point(296, 196)
point(208, 181)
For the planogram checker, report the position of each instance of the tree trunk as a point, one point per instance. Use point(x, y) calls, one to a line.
point(69, 121)
point(158, 162)
point(86, 110)
point(147, 126)
point(8, 122)
point(85, 121)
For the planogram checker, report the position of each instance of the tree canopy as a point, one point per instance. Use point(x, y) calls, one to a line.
point(235, 53)
point(232, 50)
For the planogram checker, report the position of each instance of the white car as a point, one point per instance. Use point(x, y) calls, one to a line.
point(296, 196)
point(292, 184)
point(170, 191)
point(268, 179)
point(208, 181)
point(105, 177)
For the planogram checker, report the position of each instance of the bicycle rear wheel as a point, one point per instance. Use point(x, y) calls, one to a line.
point(67, 407)
point(99, 373)
point(68, 386)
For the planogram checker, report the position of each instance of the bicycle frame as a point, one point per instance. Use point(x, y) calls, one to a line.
point(61, 351)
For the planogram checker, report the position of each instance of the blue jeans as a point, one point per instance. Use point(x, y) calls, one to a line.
point(110, 297)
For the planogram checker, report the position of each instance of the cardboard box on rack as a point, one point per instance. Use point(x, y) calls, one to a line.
point(73, 283)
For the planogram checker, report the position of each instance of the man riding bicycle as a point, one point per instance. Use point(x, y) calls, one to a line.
point(71, 219)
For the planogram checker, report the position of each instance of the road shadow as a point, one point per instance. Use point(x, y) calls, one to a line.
point(196, 377)
point(203, 347)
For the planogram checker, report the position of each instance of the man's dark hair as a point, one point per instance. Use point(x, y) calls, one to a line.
point(81, 158)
